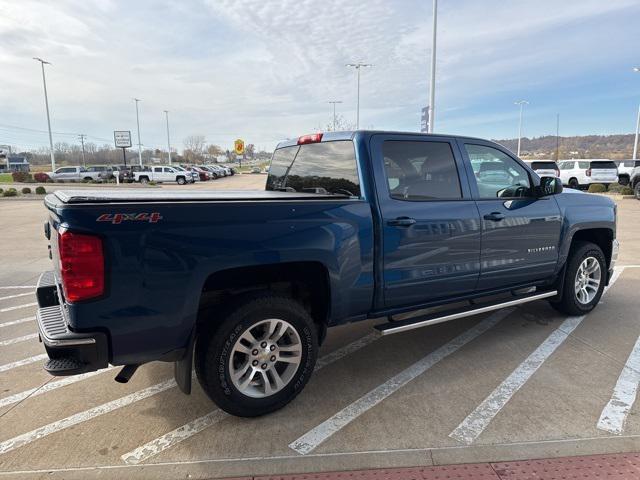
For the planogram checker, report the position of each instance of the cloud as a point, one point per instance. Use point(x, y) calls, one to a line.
point(265, 70)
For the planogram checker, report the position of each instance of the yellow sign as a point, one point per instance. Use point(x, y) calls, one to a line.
point(238, 146)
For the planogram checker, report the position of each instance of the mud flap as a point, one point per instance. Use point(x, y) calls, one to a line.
point(182, 368)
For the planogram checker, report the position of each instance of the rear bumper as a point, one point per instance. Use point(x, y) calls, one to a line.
point(70, 353)
point(615, 248)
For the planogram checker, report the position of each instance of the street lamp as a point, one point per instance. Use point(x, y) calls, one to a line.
point(46, 104)
point(138, 124)
point(522, 103)
point(166, 113)
point(333, 102)
point(635, 143)
point(358, 66)
point(432, 87)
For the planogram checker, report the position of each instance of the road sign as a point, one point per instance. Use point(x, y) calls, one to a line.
point(238, 146)
point(122, 138)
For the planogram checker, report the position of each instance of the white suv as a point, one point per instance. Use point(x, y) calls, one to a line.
point(544, 168)
point(579, 173)
point(625, 168)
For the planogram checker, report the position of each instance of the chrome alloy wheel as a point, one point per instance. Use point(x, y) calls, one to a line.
point(265, 358)
point(588, 280)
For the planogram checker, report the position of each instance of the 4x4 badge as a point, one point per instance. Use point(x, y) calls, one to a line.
point(117, 218)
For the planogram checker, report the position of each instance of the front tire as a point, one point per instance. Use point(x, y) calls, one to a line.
point(181, 181)
point(636, 190)
point(258, 357)
point(585, 278)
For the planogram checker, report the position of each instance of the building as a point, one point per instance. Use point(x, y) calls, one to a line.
point(14, 164)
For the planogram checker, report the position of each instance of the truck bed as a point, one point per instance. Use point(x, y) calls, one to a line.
point(165, 195)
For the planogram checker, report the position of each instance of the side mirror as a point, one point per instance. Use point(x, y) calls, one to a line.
point(549, 186)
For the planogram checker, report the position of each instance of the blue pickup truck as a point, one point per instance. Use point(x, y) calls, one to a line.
point(242, 285)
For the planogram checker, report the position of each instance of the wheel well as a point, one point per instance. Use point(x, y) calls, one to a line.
point(306, 282)
point(600, 236)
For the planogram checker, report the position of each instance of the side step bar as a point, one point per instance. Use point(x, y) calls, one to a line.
point(410, 324)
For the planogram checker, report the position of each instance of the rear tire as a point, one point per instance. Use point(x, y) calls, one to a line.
point(636, 190)
point(582, 290)
point(573, 183)
point(261, 340)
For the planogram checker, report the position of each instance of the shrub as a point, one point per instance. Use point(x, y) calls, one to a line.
point(152, 183)
point(41, 190)
point(626, 190)
point(1, 190)
point(41, 177)
point(26, 190)
point(615, 188)
point(21, 177)
point(12, 192)
point(597, 188)
point(72, 181)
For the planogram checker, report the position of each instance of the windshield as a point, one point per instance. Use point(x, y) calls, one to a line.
point(327, 167)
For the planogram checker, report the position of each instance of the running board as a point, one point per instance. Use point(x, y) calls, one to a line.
point(410, 324)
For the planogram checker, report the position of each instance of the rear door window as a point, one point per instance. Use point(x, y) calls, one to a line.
point(324, 168)
point(421, 170)
point(583, 165)
point(603, 165)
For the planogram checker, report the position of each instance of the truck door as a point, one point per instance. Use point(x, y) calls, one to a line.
point(520, 232)
point(430, 223)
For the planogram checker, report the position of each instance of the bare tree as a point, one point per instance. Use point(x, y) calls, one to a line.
point(194, 147)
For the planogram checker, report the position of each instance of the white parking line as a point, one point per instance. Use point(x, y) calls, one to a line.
point(38, 433)
point(188, 430)
point(24, 361)
point(24, 338)
point(16, 322)
point(16, 296)
point(48, 387)
point(313, 438)
point(478, 420)
point(614, 414)
point(8, 309)
point(14, 287)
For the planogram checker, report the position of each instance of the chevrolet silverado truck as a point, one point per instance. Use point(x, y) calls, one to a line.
point(242, 285)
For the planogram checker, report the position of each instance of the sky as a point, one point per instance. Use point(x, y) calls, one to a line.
point(264, 70)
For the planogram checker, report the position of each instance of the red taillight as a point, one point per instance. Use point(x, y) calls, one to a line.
point(557, 173)
point(81, 266)
point(588, 172)
point(311, 138)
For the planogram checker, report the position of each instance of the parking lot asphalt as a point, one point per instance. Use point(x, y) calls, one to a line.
point(515, 384)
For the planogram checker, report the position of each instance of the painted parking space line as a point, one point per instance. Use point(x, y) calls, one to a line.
point(48, 387)
point(17, 287)
point(29, 437)
point(8, 297)
point(188, 430)
point(9, 309)
point(477, 421)
point(24, 361)
point(314, 437)
point(23, 338)
point(16, 322)
point(614, 414)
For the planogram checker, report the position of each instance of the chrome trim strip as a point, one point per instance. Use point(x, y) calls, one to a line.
point(467, 313)
point(68, 342)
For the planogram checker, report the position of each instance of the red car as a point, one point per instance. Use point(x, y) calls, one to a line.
point(204, 175)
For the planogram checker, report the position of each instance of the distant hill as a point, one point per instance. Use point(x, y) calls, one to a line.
point(588, 146)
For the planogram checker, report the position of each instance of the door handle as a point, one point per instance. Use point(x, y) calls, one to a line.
point(494, 216)
point(401, 222)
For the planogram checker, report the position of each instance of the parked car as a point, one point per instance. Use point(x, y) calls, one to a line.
point(103, 173)
point(192, 177)
point(162, 174)
point(244, 285)
point(203, 173)
point(75, 174)
point(582, 173)
point(635, 181)
point(256, 170)
point(625, 169)
point(126, 172)
point(545, 168)
point(218, 170)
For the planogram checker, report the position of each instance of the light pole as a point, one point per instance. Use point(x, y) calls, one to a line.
point(522, 103)
point(82, 135)
point(358, 66)
point(635, 143)
point(166, 113)
point(46, 104)
point(138, 123)
point(333, 102)
point(432, 87)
